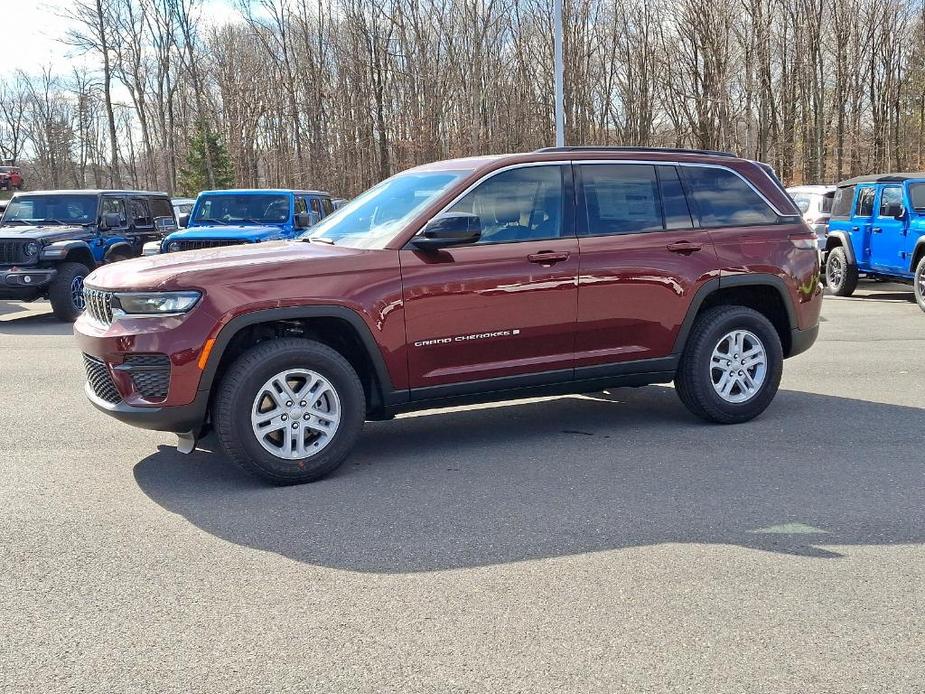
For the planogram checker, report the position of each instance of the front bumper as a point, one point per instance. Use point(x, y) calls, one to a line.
point(178, 419)
point(26, 278)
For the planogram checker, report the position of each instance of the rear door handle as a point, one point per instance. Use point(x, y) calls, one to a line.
point(548, 257)
point(855, 228)
point(877, 230)
point(684, 247)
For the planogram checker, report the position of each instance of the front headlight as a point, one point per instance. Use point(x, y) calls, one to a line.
point(173, 246)
point(31, 249)
point(154, 303)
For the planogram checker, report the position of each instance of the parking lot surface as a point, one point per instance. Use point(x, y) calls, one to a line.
point(598, 543)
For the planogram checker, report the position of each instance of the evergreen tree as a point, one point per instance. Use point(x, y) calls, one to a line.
point(194, 176)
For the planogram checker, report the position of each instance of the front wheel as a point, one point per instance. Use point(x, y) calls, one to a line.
point(919, 283)
point(841, 277)
point(66, 292)
point(731, 366)
point(289, 410)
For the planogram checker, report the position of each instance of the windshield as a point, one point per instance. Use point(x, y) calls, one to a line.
point(250, 208)
point(917, 196)
point(372, 219)
point(51, 209)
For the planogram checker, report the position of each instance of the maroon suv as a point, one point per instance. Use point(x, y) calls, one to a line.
point(562, 270)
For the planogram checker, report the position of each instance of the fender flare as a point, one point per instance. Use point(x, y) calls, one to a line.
point(59, 250)
point(115, 247)
point(389, 395)
point(846, 244)
point(717, 283)
point(916, 253)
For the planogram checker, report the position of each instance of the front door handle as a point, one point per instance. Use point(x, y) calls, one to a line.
point(684, 247)
point(855, 228)
point(548, 257)
point(877, 230)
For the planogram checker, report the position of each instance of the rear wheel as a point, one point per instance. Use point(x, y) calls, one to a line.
point(841, 277)
point(289, 410)
point(66, 292)
point(731, 366)
point(919, 283)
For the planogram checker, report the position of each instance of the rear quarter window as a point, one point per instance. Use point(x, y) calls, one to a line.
point(161, 207)
point(723, 199)
point(841, 205)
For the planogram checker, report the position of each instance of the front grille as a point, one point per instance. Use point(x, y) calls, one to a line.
point(98, 304)
point(196, 244)
point(100, 379)
point(150, 373)
point(11, 251)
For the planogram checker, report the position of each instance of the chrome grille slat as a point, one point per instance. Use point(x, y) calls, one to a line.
point(99, 305)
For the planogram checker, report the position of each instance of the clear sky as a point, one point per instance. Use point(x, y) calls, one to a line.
point(32, 29)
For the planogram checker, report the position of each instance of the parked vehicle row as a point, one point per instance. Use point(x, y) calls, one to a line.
point(556, 271)
point(876, 229)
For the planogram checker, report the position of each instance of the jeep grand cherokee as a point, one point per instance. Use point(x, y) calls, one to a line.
point(556, 271)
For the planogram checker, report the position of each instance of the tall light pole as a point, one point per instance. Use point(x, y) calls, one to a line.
point(559, 74)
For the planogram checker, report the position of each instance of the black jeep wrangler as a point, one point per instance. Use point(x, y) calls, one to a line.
point(51, 240)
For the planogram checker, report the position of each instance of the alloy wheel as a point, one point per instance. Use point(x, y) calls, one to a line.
point(77, 293)
point(738, 366)
point(295, 414)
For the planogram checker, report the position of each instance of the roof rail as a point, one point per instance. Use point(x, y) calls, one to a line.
point(603, 148)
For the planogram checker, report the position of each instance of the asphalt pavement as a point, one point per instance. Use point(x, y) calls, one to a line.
point(599, 543)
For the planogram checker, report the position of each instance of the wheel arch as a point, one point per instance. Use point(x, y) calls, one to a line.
point(764, 293)
point(73, 251)
point(118, 248)
point(338, 327)
point(836, 239)
point(917, 252)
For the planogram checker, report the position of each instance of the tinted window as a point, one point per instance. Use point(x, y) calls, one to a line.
point(327, 205)
point(316, 206)
point(621, 198)
point(827, 202)
point(891, 199)
point(54, 209)
point(300, 205)
point(518, 205)
point(865, 206)
point(841, 207)
point(161, 207)
point(674, 201)
point(722, 198)
point(110, 205)
point(917, 196)
point(138, 213)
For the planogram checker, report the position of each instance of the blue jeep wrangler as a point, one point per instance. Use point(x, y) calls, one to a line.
point(878, 229)
point(231, 217)
point(50, 241)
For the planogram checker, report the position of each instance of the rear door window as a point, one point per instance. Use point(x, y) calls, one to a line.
point(621, 199)
point(327, 206)
point(723, 198)
point(865, 204)
point(138, 213)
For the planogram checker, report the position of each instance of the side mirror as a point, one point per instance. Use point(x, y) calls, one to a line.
point(302, 220)
point(183, 220)
point(449, 229)
point(111, 220)
point(899, 212)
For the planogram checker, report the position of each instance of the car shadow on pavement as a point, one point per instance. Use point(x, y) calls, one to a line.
point(30, 322)
point(564, 476)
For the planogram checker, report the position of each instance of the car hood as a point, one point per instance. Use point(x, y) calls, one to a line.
point(229, 231)
point(46, 233)
point(225, 266)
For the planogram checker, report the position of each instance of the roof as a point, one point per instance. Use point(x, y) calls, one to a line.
point(883, 178)
point(91, 191)
point(262, 191)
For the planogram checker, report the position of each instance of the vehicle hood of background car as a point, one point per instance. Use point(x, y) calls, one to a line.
point(228, 265)
point(226, 231)
point(48, 233)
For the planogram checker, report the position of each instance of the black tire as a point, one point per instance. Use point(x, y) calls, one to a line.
point(239, 387)
point(694, 379)
point(841, 277)
point(64, 303)
point(918, 283)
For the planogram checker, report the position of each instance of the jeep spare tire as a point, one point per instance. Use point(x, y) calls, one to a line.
point(66, 291)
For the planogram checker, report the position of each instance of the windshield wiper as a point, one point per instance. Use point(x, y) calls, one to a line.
point(210, 220)
point(54, 221)
point(318, 239)
point(17, 221)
